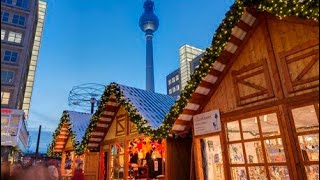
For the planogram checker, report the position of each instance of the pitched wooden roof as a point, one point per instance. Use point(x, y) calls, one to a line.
point(71, 123)
point(145, 108)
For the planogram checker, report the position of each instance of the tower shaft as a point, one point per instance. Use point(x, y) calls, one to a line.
point(149, 64)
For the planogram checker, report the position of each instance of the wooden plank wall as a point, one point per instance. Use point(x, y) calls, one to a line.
point(178, 158)
point(261, 49)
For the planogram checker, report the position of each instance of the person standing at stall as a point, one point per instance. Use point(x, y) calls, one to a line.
point(78, 173)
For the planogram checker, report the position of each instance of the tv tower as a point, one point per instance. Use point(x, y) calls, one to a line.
point(149, 23)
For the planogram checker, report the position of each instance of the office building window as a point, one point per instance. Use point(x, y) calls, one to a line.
point(22, 3)
point(174, 89)
point(173, 79)
point(170, 91)
point(3, 34)
point(4, 16)
point(14, 37)
point(19, 20)
point(10, 56)
point(177, 87)
point(169, 82)
point(7, 77)
point(7, 1)
point(177, 77)
point(5, 97)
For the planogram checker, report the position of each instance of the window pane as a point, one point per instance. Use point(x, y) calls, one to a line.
point(279, 173)
point(309, 145)
point(3, 34)
point(305, 118)
point(254, 152)
point(312, 172)
point(212, 159)
point(236, 153)
point(233, 131)
point(269, 125)
point(257, 172)
point(250, 128)
point(238, 173)
point(274, 150)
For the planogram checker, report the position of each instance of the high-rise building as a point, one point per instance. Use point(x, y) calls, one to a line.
point(21, 30)
point(149, 23)
point(187, 54)
point(19, 38)
point(189, 60)
point(34, 57)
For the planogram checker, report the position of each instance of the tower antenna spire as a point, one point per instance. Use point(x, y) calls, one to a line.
point(149, 23)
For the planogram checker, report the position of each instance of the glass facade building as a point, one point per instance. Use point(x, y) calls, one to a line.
point(189, 61)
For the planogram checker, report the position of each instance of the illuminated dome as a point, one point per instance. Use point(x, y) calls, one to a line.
point(148, 22)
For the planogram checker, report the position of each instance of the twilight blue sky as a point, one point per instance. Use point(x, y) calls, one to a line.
point(99, 41)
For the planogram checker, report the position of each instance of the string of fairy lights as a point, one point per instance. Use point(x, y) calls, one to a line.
point(307, 9)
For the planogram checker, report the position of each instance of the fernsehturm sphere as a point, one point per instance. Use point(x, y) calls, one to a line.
point(149, 23)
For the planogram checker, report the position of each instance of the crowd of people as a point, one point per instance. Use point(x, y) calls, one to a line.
point(39, 170)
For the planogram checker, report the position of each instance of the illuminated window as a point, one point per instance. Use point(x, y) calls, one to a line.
point(169, 82)
point(7, 76)
point(170, 91)
point(3, 34)
point(5, 97)
point(10, 56)
point(177, 77)
point(256, 148)
point(4, 16)
point(173, 79)
point(177, 87)
point(19, 20)
point(14, 37)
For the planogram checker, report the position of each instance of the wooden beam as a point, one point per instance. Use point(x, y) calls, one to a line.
point(236, 41)
point(244, 26)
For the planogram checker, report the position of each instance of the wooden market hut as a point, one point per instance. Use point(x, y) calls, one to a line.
point(261, 77)
point(66, 138)
point(121, 141)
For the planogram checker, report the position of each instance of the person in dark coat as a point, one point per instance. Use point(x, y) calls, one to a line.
point(78, 173)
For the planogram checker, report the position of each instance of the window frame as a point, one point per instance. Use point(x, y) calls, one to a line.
point(4, 15)
point(2, 97)
point(261, 139)
point(17, 19)
point(15, 38)
point(13, 76)
point(296, 134)
point(10, 60)
point(3, 34)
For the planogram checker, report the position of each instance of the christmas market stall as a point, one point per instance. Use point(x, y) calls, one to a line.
point(66, 140)
point(253, 102)
point(126, 138)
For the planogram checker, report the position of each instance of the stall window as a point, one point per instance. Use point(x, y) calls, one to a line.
point(256, 149)
point(306, 121)
point(146, 158)
point(117, 161)
point(212, 159)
